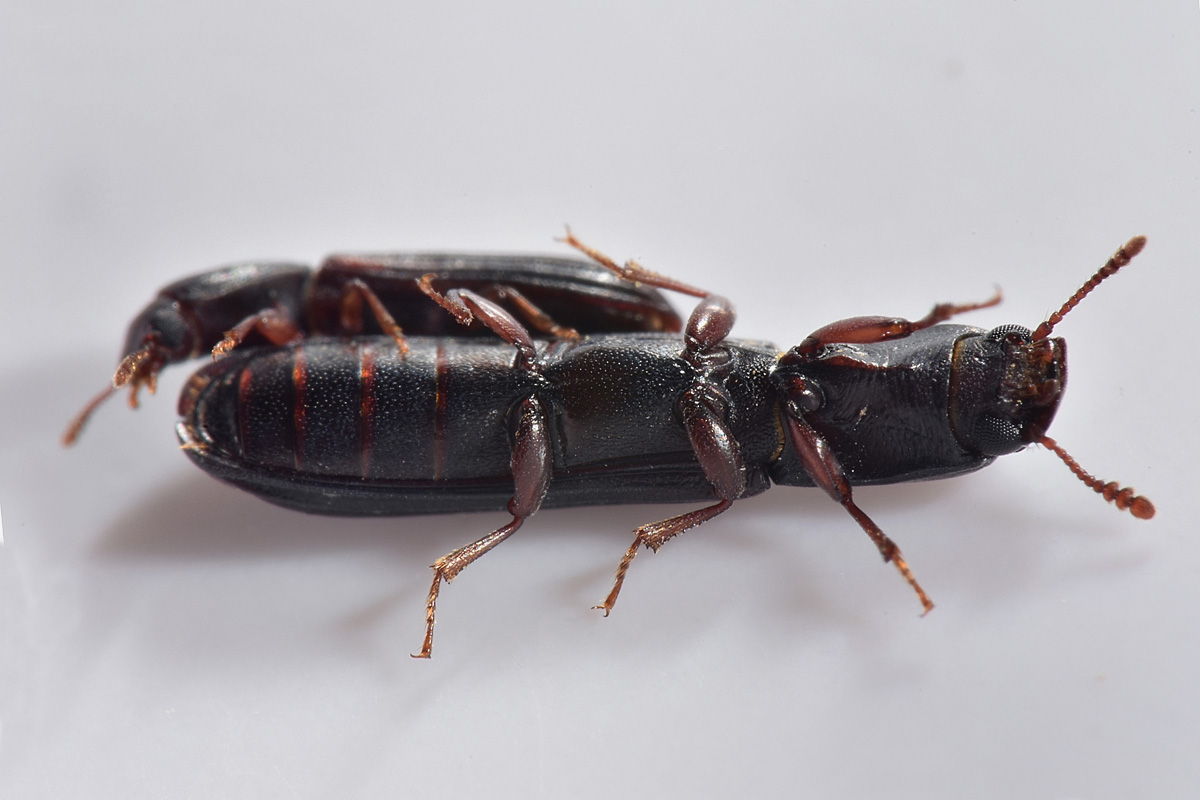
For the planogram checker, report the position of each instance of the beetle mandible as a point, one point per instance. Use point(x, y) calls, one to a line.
point(375, 425)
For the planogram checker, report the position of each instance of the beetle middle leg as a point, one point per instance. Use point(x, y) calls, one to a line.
point(531, 468)
point(704, 408)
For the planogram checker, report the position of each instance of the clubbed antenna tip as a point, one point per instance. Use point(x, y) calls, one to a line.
point(1119, 259)
point(1120, 496)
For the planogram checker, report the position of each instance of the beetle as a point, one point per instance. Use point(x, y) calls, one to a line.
point(357, 425)
point(282, 302)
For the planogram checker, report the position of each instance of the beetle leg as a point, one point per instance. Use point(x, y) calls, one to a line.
point(354, 292)
point(823, 467)
point(654, 536)
point(867, 330)
point(533, 315)
point(275, 325)
point(531, 467)
point(465, 305)
point(710, 322)
point(632, 271)
point(703, 408)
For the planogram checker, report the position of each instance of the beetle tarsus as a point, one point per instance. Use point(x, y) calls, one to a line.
point(632, 271)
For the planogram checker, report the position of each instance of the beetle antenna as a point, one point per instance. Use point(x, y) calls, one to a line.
point(1119, 259)
point(1122, 497)
point(76, 427)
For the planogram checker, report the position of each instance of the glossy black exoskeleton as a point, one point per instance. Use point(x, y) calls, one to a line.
point(362, 425)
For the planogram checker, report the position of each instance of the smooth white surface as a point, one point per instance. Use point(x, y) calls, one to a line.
point(164, 636)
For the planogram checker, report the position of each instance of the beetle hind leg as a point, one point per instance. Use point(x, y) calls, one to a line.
point(531, 464)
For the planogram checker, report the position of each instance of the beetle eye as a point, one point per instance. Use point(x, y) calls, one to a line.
point(995, 436)
point(1011, 332)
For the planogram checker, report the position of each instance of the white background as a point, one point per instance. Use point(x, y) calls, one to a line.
point(164, 636)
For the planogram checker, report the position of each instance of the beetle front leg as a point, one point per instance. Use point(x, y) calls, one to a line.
point(279, 329)
point(823, 467)
point(531, 467)
point(868, 330)
point(275, 325)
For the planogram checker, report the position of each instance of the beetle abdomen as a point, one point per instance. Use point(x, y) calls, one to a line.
point(354, 408)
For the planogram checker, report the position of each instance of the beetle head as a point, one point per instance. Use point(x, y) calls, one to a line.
point(1005, 388)
point(1007, 384)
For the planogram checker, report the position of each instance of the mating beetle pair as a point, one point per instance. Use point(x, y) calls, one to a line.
point(573, 386)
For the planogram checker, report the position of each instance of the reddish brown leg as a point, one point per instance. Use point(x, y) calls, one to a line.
point(276, 326)
point(631, 270)
point(823, 467)
point(539, 319)
point(354, 292)
point(819, 461)
point(704, 408)
point(654, 536)
point(465, 306)
point(531, 466)
point(865, 330)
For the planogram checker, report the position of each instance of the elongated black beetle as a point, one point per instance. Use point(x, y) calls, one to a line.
point(393, 425)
